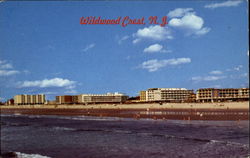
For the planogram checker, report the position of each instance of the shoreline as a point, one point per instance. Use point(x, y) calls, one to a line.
point(215, 105)
point(172, 111)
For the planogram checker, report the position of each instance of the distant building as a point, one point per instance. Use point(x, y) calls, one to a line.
point(143, 95)
point(25, 99)
point(10, 102)
point(102, 98)
point(226, 94)
point(67, 99)
point(166, 94)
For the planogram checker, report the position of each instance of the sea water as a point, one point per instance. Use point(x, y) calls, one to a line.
point(38, 136)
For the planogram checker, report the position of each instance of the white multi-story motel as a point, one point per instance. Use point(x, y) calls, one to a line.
point(166, 94)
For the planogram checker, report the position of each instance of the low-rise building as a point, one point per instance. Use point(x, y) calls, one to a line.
point(10, 102)
point(223, 94)
point(166, 94)
point(102, 98)
point(67, 99)
point(25, 99)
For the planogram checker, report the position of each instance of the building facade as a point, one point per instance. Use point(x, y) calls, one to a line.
point(166, 94)
point(25, 99)
point(102, 98)
point(226, 94)
point(67, 99)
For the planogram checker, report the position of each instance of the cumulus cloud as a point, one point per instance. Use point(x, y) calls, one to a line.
point(187, 20)
point(231, 3)
point(154, 64)
point(208, 78)
point(8, 72)
point(154, 48)
point(179, 12)
point(54, 82)
point(6, 69)
point(216, 72)
point(6, 66)
point(152, 32)
point(88, 47)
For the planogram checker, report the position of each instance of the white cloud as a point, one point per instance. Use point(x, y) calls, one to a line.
point(123, 39)
point(6, 66)
point(6, 69)
point(231, 3)
point(88, 47)
point(152, 32)
point(179, 12)
point(216, 72)
point(154, 48)
point(8, 72)
point(188, 21)
point(208, 78)
point(54, 82)
point(154, 64)
point(202, 31)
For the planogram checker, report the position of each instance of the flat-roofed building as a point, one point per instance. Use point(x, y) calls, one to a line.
point(143, 95)
point(67, 99)
point(102, 98)
point(223, 94)
point(166, 94)
point(25, 99)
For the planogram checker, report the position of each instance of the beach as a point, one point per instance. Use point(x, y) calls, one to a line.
point(216, 105)
point(176, 111)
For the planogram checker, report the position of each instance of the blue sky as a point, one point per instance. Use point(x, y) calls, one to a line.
point(44, 49)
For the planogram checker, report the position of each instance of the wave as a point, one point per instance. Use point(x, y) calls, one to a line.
point(228, 143)
point(63, 128)
point(22, 155)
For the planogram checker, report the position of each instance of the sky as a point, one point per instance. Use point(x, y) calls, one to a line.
point(45, 49)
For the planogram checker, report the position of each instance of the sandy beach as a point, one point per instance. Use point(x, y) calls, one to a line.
point(179, 111)
point(217, 105)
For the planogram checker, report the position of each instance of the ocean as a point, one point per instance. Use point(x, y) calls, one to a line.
point(41, 136)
